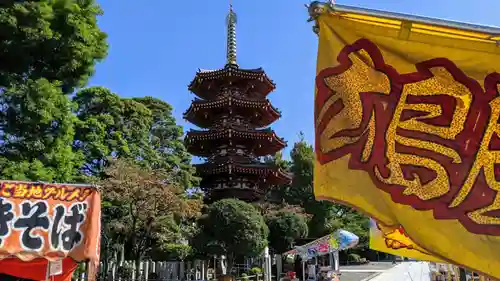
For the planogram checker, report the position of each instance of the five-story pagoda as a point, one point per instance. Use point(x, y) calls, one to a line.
point(233, 111)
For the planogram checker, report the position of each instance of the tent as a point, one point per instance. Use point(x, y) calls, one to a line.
point(330, 244)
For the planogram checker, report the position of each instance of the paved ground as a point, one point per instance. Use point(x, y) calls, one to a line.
point(407, 271)
point(351, 276)
point(362, 272)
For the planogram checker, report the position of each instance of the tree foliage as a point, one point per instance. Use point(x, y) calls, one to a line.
point(324, 217)
point(37, 129)
point(168, 150)
point(232, 228)
point(172, 252)
point(55, 40)
point(149, 206)
point(284, 229)
point(48, 48)
point(300, 192)
point(142, 129)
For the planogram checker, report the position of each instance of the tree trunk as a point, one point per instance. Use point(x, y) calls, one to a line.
point(122, 253)
point(226, 266)
point(138, 272)
point(230, 264)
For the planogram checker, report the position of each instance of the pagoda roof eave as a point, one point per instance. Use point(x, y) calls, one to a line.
point(258, 152)
point(274, 174)
point(284, 175)
point(245, 194)
point(235, 100)
point(258, 168)
point(255, 74)
point(224, 133)
point(208, 106)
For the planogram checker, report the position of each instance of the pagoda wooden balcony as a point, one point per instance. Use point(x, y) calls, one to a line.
point(266, 173)
point(204, 113)
point(245, 194)
point(259, 142)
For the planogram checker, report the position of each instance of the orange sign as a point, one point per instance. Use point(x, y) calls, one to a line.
point(50, 221)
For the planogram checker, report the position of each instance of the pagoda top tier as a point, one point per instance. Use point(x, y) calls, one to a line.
point(208, 84)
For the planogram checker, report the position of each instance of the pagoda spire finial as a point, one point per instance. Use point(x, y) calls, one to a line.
point(231, 37)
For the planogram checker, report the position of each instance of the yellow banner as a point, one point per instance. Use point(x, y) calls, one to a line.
point(396, 242)
point(407, 131)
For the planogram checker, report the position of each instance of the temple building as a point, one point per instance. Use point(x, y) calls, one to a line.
point(233, 113)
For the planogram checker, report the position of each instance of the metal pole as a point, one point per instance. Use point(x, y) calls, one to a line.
point(303, 271)
point(267, 267)
point(463, 276)
point(397, 16)
point(492, 30)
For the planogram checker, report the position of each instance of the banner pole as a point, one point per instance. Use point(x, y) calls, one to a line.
point(317, 7)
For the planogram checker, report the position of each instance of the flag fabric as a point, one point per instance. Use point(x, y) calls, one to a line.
point(396, 242)
point(407, 130)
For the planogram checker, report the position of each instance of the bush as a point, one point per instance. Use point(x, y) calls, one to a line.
point(256, 270)
point(233, 228)
point(177, 251)
point(354, 258)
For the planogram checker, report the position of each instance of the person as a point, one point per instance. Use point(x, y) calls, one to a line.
point(311, 271)
point(298, 266)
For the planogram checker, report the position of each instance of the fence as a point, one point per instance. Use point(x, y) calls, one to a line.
point(149, 270)
point(161, 271)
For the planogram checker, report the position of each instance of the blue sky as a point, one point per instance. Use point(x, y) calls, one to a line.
point(157, 46)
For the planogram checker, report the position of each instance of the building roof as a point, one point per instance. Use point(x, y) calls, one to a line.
point(202, 112)
point(206, 82)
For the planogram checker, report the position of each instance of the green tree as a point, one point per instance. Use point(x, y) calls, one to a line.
point(48, 49)
point(165, 141)
point(278, 193)
point(357, 223)
point(110, 127)
point(277, 159)
point(37, 130)
point(300, 192)
point(149, 207)
point(325, 217)
point(232, 228)
point(172, 252)
point(284, 229)
point(57, 40)
point(142, 129)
